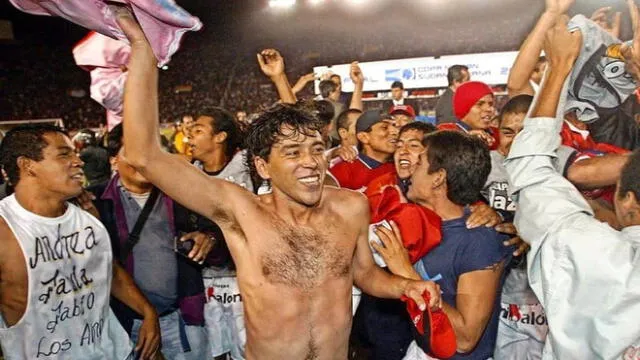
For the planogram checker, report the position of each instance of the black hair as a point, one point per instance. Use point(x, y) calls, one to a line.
point(516, 105)
point(24, 141)
point(466, 160)
point(223, 120)
point(397, 84)
point(268, 129)
point(324, 110)
point(454, 73)
point(630, 176)
point(327, 87)
point(342, 121)
point(426, 128)
point(114, 140)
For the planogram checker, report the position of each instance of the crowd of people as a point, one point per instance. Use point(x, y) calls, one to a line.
point(276, 224)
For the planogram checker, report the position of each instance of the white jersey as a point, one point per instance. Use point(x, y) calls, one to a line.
point(69, 270)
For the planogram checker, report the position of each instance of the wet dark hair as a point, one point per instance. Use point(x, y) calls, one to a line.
point(516, 105)
point(223, 120)
point(630, 176)
point(24, 140)
point(324, 110)
point(466, 160)
point(267, 130)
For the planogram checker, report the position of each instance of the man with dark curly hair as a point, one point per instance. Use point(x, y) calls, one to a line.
point(299, 249)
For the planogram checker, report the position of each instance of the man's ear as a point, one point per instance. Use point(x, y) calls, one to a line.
point(440, 179)
point(25, 166)
point(629, 204)
point(221, 137)
point(343, 133)
point(363, 137)
point(262, 167)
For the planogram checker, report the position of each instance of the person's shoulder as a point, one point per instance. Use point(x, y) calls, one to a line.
point(346, 200)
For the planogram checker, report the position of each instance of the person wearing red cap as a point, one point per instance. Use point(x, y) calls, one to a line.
point(473, 104)
point(402, 115)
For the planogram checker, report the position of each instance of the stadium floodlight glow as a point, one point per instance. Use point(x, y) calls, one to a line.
point(316, 2)
point(281, 3)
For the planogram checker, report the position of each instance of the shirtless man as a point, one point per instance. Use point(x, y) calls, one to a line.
point(56, 269)
point(299, 249)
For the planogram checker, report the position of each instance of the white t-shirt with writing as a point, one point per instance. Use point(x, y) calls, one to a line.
point(69, 270)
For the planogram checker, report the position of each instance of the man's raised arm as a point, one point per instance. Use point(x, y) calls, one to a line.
point(173, 175)
point(530, 50)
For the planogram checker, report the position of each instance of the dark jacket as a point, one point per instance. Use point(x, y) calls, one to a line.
point(191, 297)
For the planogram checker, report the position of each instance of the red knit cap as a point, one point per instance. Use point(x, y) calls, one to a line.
point(468, 95)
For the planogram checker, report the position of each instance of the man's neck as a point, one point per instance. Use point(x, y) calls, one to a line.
point(378, 156)
point(135, 188)
point(453, 88)
point(38, 202)
point(290, 210)
point(442, 206)
point(215, 161)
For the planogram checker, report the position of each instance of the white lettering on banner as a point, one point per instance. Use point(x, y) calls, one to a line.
point(427, 72)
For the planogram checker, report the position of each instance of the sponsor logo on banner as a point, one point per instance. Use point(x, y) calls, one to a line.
point(428, 72)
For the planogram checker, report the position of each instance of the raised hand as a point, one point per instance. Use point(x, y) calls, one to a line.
point(129, 25)
point(271, 63)
point(356, 73)
point(561, 46)
point(601, 17)
point(631, 53)
point(558, 6)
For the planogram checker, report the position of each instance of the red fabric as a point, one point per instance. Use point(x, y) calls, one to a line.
point(493, 131)
point(357, 175)
point(575, 140)
point(434, 333)
point(467, 95)
point(420, 227)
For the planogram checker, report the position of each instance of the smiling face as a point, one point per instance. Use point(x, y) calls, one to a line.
point(296, 166)
point(512, 124)
point(423, 183)
point(407, 155)
point(380, 139)
point(481, 114)
point(60, 170)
